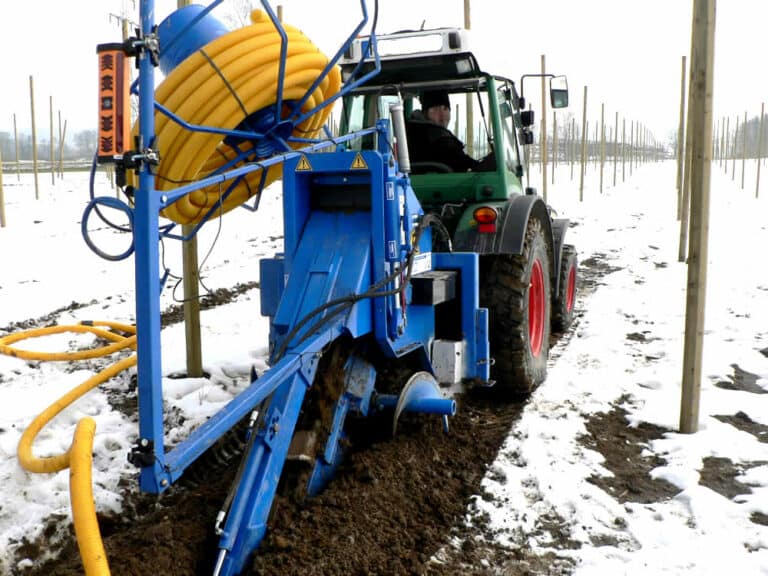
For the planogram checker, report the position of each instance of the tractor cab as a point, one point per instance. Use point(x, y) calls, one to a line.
point(486, 113)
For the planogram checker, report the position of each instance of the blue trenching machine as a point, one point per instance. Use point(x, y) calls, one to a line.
point(357, 280)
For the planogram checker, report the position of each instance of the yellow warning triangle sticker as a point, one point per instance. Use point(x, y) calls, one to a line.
point(358, 163)
point(303, 165)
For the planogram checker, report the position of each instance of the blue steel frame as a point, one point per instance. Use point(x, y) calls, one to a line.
point(161, 468)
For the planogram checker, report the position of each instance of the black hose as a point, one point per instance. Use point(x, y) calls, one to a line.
point(346, 302)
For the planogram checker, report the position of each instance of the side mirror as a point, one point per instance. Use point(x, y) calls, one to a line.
point(558, 92)
point(526, 118)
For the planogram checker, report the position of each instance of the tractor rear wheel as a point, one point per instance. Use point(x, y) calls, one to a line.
point(516, 290)
point(562, 308)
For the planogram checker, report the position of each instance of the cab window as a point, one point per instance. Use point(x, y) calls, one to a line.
point(507, 119)
point(362, 112)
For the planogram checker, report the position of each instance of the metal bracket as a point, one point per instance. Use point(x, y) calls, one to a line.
point(142, 454)
point(134, 160)
point(139, 44)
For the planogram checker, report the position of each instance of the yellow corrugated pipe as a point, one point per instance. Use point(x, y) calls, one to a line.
point(249, 60)
point(81, 494)
point(78, 457)
point(51, 464)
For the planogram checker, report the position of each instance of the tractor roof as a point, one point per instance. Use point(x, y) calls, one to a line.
point(418, 59)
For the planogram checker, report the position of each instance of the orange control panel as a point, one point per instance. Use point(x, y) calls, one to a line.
point(114, 102)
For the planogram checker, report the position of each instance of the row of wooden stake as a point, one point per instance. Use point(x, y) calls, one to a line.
point(56, 166)
point(726, 147)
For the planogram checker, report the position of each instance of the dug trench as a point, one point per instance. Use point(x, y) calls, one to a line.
point(395, 502)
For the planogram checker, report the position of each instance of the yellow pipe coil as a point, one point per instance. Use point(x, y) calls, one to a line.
point(249, 58)
point(78, 457)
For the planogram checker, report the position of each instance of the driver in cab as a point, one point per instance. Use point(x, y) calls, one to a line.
point(432, 144)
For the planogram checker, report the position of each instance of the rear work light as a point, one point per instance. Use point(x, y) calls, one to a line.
point(485, 216)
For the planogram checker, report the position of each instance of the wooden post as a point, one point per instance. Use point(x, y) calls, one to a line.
point(62, 135)
point(760, 155)
point(722, 142)
point(50, 144)
point(733, 150)
point(191, 273)
point(2, 194)
point(680, 137)
point(470, 114)
point(743, 149)
point(583, 146)
point(715, 142)
point(34, 135)
point(596, 145)
point(759, 149)
point(16, 144)
point(554, 144)
point(623, 149)
point(572, 147)
point(615, 146)
point(602, 143)
point(702, 60)
point(608, 140)
point(586, 128)
point(456, 120)
point(631, 146)
point(544, 127)
point(566, 140)
point(683, 207)
point(280, 12)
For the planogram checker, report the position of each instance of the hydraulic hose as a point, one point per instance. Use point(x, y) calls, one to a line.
point(230, 80)
point(78, 457)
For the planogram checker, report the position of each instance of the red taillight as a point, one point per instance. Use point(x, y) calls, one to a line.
point(485, 216)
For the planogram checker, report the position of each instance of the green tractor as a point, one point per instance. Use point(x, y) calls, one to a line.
point(528, 273)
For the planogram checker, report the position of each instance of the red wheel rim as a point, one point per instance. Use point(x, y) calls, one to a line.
point(570, 291)
point(536, 307)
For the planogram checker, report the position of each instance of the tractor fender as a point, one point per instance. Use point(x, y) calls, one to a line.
point(509, 237)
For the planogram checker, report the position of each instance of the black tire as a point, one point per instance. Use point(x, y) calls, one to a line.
point(516, 290)
point(565, 299)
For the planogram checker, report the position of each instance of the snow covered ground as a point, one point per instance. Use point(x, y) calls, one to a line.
point(48, 273)
point(627, 349)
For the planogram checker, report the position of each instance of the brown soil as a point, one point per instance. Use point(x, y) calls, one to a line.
point(621, 446)
point(391, 507)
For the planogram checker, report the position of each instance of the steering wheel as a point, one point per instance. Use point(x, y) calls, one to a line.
point(429, 167)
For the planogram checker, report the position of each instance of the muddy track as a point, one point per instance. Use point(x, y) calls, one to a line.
point(394, 505)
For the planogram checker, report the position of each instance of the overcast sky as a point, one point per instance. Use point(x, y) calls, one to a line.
point(628, 52)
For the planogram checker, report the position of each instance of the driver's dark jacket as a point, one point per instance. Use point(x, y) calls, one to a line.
point(430, 142)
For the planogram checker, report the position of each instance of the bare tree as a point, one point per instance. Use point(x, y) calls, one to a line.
point(237, 13)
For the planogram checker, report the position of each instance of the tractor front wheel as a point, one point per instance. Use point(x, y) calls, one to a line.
point(516, 290)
